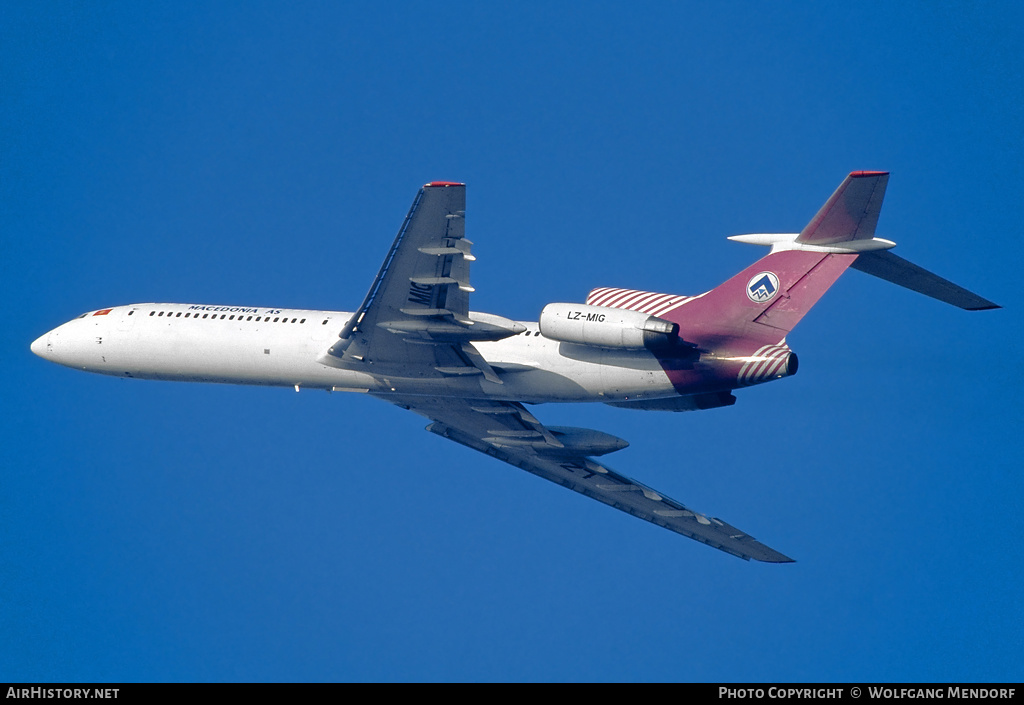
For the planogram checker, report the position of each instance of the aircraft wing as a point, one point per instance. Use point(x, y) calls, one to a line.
point(415, 323)
point(415, 316)
point(508, 432)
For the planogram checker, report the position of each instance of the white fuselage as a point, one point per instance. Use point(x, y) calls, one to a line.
point(286, 347)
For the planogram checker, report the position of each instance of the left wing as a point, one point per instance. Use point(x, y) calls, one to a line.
point(508, 432)
point(415, 320)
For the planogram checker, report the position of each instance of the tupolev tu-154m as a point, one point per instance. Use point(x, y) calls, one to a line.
point(414, 342)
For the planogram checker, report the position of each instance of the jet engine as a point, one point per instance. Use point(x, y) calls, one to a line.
point(607, 327)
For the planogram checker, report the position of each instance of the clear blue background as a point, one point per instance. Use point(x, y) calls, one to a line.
point(265, 154)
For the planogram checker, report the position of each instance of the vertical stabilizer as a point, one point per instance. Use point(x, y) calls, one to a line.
point(767, 299)
point(764, 301)
point(851, 213)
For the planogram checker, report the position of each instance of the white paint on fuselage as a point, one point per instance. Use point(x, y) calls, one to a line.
point(281, 347)
point(537, 369)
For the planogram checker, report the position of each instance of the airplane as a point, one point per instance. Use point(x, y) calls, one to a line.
point(414, 342)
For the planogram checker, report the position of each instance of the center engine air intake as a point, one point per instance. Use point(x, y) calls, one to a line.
point(607, 327)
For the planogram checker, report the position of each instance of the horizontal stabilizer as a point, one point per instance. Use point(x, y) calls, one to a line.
point(895, 269)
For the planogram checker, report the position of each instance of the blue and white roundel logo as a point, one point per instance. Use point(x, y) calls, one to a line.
point(762, 287)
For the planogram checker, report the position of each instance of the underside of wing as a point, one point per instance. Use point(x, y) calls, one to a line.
point(508, 432)
point(415, 319)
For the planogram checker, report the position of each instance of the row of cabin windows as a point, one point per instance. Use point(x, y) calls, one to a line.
point(171, 314)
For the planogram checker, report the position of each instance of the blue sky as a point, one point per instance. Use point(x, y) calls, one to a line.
point(264, 154)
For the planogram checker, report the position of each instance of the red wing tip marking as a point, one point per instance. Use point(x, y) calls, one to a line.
point(442, 183)
point(859, 174)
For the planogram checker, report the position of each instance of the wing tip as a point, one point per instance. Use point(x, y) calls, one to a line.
point(442, 184)
point(769, 555)
point(863, 174)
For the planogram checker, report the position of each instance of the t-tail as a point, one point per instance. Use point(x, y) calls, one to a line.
point(746, 319)
point(767, 299)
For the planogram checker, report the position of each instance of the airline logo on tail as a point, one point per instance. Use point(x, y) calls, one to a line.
point(762, 287)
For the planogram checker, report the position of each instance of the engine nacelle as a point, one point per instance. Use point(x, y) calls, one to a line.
point(607, 327)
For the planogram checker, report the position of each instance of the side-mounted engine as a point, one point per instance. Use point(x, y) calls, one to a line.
point(607, 327)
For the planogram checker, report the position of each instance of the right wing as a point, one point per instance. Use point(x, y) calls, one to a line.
point(415, 323)
point(508, 432)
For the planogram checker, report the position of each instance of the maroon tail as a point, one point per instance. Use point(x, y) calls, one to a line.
point(762, 303)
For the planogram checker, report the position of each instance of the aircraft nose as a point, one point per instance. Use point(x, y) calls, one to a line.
point(39, 344)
